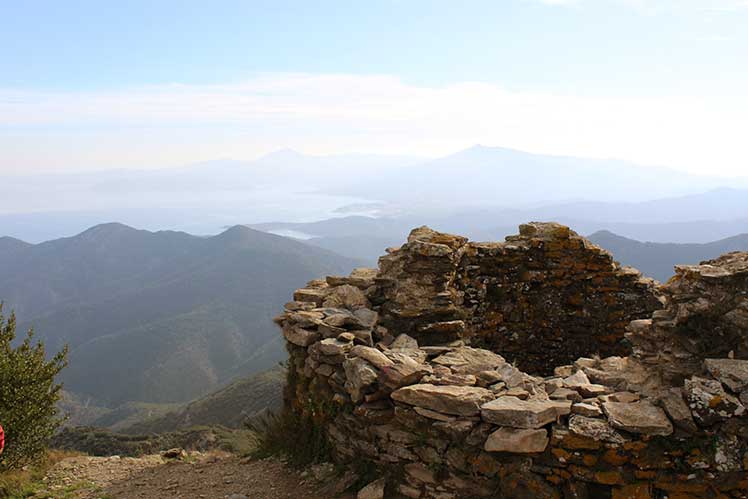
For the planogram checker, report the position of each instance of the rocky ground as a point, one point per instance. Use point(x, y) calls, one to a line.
point(196, 476)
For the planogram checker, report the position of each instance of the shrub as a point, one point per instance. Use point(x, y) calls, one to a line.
point(28, 396)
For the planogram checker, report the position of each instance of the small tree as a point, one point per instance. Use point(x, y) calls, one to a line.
point(28, 395)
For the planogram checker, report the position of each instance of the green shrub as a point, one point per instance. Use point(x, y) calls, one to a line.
point(28, 396)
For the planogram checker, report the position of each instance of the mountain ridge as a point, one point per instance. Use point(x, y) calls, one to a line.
point(159, 317)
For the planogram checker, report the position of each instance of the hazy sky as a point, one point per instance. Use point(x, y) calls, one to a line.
point(96, 84)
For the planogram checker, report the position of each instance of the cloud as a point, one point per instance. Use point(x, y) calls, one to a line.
point(330, 113)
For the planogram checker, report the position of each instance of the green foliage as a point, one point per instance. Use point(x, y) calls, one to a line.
point(28, 396)
point(98, 442)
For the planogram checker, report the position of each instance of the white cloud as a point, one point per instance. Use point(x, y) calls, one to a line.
point(173, 124)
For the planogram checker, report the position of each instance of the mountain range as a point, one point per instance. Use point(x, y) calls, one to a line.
point(658, 259)
point(158, 317)
point(497, 187)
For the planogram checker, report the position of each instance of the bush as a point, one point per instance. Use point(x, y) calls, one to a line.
point(28, 396)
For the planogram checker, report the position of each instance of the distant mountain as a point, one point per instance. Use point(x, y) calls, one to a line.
point(230, 406)
point(159, 317)
point(199, 198)
point(287, 186)
point(10, 244)
point(505, 177)
point(657, 259)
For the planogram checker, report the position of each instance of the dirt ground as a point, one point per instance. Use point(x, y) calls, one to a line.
point(203, 476)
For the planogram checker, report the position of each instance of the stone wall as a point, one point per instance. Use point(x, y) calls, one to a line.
point(542, 298)
point(386, 363)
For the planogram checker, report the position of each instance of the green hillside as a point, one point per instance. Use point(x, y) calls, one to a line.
point(230, 406)
point(159, 317)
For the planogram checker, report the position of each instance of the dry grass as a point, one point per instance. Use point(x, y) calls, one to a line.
point(23, 483)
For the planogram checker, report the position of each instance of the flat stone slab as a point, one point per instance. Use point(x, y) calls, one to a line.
point(733, 373)
point(638, 417)
point(457, 400)
point(299, 336)
point(372, 355)
point(468, 360)
point(517, 441)
point(517, 413)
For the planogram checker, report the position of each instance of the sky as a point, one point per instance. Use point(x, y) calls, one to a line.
point(91, 85)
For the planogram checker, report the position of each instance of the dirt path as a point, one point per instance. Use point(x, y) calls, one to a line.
point(205, 476)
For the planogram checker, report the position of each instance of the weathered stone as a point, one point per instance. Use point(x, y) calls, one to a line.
point(576, 379)
point(566, 394)
point(403, 371)
point(299, 336)
point(333, 346)
point(733, 373)
point(315, 296)
point(345, 296)
point(458, 400)
point(450, 379)
point(360, 375)
point(706, 317)
point(366, 317)
point(467, 360)
point(374, 490)
point(516, 413)
point(672, 402)
point(438, 416)
point(372, 355)
point(595, 429)
point(708, 401)
point(516, 440)
point(589, 410)
point(403, 341)
point(638, 417)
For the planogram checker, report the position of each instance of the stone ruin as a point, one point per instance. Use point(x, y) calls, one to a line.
point(533, 368)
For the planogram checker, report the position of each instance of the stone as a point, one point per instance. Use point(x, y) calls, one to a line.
point(584, 409)
point(403, 371)
point(345, 296)
point(595, 429)
point(299, 336)
point(563, 371)
point(366, 317)
point(372, 355)
point(709, 402)
point(514, 440)
point(451, 379)
point(675, 406)
point(566, 394)
point(733, 373)
point(438, 416)
point(360, 375)
point(457, 400)
point(333, 346)
point(315, 296)
point(638, 417)
point(468, 360)
point(361, 278)
point(516, 413)
point(403, 341)
point(576, 379)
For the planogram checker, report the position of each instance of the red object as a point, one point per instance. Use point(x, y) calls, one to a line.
point(2, 439)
